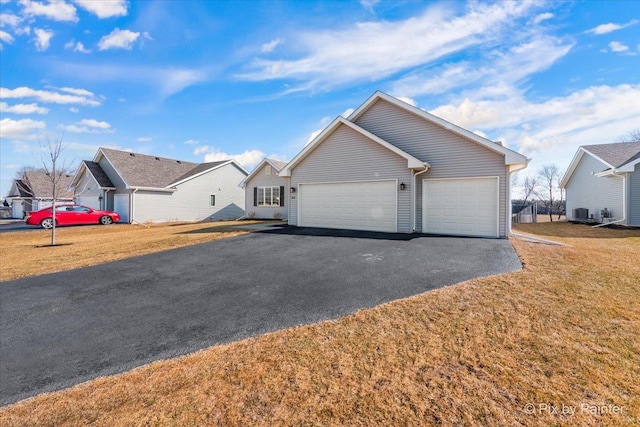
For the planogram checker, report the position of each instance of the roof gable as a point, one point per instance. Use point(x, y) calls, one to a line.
point(615, 157)
point(275, 164)
point(95, 170)
point(203, 168)
point(511, 157)
point(412, 162)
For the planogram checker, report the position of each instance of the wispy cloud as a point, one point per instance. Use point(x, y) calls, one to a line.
point(81, 97)
point(542, 17)
point(610, 27)
point(268, 47)
point(88, 126)
point(22, 108)
point(370, 50)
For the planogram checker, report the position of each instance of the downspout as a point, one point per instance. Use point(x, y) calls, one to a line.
point(132, 201)
point(624, 202)
point(414, 194)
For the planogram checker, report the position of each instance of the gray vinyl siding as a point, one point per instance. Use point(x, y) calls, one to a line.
point(113, 175)
point(634, 197)
point(347, 155)
point(87, 191)
point(584, 190)
point(449, 155)
point(191, 200)
point(260, 179)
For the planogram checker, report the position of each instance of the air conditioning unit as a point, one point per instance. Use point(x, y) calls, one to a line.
point(581, 214)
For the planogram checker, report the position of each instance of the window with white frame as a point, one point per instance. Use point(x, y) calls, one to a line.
point(268, 196)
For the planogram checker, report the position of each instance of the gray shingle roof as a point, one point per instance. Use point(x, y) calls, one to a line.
point(616, 154)
point(98, 174)
point(141, 170)
point(198, 169)
point(39, 182)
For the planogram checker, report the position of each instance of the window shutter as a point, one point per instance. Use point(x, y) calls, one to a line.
point(282, 195)
point(255, 196)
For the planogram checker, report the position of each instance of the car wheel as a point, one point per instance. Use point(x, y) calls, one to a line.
point(106, 220)
point(47, 223)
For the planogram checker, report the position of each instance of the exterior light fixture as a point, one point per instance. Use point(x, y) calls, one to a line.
point(293, 189)
point(402, 186)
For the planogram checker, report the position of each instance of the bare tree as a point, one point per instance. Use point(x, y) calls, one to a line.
point(631, 136)
point(55, 168)
point(549, 176)
point(529, 188)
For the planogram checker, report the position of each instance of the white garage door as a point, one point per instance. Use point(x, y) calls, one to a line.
point(365, 205)
point(465, 207)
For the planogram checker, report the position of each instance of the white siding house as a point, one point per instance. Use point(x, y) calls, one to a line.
point(144, 188)
point(392, 167)
point(605, 176)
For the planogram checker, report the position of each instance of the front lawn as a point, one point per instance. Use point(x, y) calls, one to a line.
point(554, 344)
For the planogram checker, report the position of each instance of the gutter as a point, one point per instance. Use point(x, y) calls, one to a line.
point(624, 202)
point(414, 194)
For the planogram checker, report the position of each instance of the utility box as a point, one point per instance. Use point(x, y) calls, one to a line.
point(581, 214)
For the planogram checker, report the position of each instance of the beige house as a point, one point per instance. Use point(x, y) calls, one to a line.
point(265, 191)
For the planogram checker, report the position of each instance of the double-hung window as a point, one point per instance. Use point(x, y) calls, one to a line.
point(268, 196)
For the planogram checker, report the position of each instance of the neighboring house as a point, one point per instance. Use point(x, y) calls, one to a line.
point(34, 191)
point(604, 176)
point(393, 167)
point(265, 191)
point(143, 188)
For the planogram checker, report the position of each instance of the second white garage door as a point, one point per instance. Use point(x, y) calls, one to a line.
point(465, 207)
point(362, 205)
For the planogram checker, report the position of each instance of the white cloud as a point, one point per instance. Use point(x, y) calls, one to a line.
point(86, 98)
point(370, 50)
point(118, 39)
point(95, 124)
point(191, 142)
point(268, 47)
point(369, 4)
point(23, 31)
point(248, 159)
point(56, 10)
point(496, 71)
point(143, 139)
point(104, 9)
point(610, 27)
point(551, 130)
point(42, 39)
point(20, 129)
point(9, 19)
point(6, 37)
point(73, 109)
point(88, 126)
point(76, 46)
point(76, 91)
point(542, 17)
point(618, 47)
point(22, 109)
point(408, 100)
point(347, 112)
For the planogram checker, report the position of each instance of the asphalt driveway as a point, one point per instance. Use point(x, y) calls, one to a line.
point(61, 329)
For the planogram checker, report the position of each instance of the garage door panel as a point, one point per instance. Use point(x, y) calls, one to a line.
point(461, 206)
point(369, 205)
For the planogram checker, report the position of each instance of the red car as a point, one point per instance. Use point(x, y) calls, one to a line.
point(71, 215)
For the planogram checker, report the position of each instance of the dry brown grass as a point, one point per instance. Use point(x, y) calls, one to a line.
point(27, 253)
point(564, 331)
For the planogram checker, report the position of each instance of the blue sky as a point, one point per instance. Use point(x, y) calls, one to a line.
point(203, 81)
